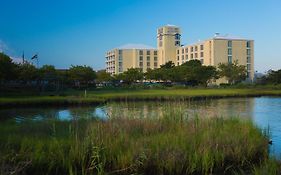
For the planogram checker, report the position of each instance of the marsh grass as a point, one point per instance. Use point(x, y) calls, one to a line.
point(102, 96)
point(171, 144)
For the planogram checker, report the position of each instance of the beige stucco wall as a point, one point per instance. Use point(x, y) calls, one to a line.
point(130, 58)
point(214, 51)
point(167, 51)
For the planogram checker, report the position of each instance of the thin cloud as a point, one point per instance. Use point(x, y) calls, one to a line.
point(3, 46)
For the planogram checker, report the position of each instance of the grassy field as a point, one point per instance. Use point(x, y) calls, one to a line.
point(99, 97)
point(173, 144)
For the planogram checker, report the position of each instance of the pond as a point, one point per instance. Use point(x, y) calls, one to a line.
point(265, 112)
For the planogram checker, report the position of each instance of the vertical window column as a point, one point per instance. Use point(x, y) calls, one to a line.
point(229, 51)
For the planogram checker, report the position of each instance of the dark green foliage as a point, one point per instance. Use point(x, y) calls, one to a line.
point(272, 77)
point(132, 75)
point(103, 76)
point(7, 68)
point(48, 73)
point(233, 72)
point(191, 72)
point(82, 75)
point(27, 72)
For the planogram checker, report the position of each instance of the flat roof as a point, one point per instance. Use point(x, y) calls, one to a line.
point(219, 37)
point(135, 46)
point(229, 37)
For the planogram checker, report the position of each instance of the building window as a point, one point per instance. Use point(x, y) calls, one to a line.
point(141, 64)
point(229, 51)
point(177, 36)
point(196, 55)
point(186, 50)
point(155, 58)
point(248, 52)
point(148, 52)
point(120, 52)
point(186, 57)
point(202, 54)
point(248, 44)
point(248, 59)
point(177, 43)
point(196, 48)
point(178, 63)
point(202, 61)
point(155, 64)
point(141, 52)
point(229, 59)
point(192, 56)
point(182, 51)
point(191, 49)
point(201, 47)
point(182, 57)
point(148, 58)
point(229, 43)
point(248, 67)
point(141, 58)
point(178, 57)
point(178, 51)
point(155, 52)
point(148, 64)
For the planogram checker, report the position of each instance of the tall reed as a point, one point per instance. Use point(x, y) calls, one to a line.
point(171, 144)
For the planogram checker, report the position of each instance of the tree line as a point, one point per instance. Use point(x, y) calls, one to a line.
point(191, 73)
point(46, 77)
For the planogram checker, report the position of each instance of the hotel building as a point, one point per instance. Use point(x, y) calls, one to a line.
point(213, 51)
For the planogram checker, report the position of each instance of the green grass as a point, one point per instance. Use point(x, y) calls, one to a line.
point(181, 93)
point(99, 97)
point(48, 100)
point(172, 144)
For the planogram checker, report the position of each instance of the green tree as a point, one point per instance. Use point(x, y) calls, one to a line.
point(206, 74)
point(132, 75)
point(233, 72)
point(48, 75)
point(193, 72)
point(7, 68)
point(82, 75)
point(168, 65)
point(27, 73)
point(272, 77)
point(103, 76)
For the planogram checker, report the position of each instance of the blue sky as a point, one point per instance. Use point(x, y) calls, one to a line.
point(69, 32)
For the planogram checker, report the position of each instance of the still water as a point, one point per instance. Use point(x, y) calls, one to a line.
point(265, 112)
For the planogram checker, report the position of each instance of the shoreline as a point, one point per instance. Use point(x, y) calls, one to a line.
point(100, 98)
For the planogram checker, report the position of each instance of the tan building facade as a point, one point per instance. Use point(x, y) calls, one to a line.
point(131, 56)
point(213, 51)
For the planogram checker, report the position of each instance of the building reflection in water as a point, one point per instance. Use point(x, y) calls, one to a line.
point(231, 107)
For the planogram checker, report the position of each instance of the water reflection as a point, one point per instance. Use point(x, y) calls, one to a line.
point(62, 114)
point(264, 111)
point(242, 107)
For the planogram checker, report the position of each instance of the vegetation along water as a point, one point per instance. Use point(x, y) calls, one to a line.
point(138, 138)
